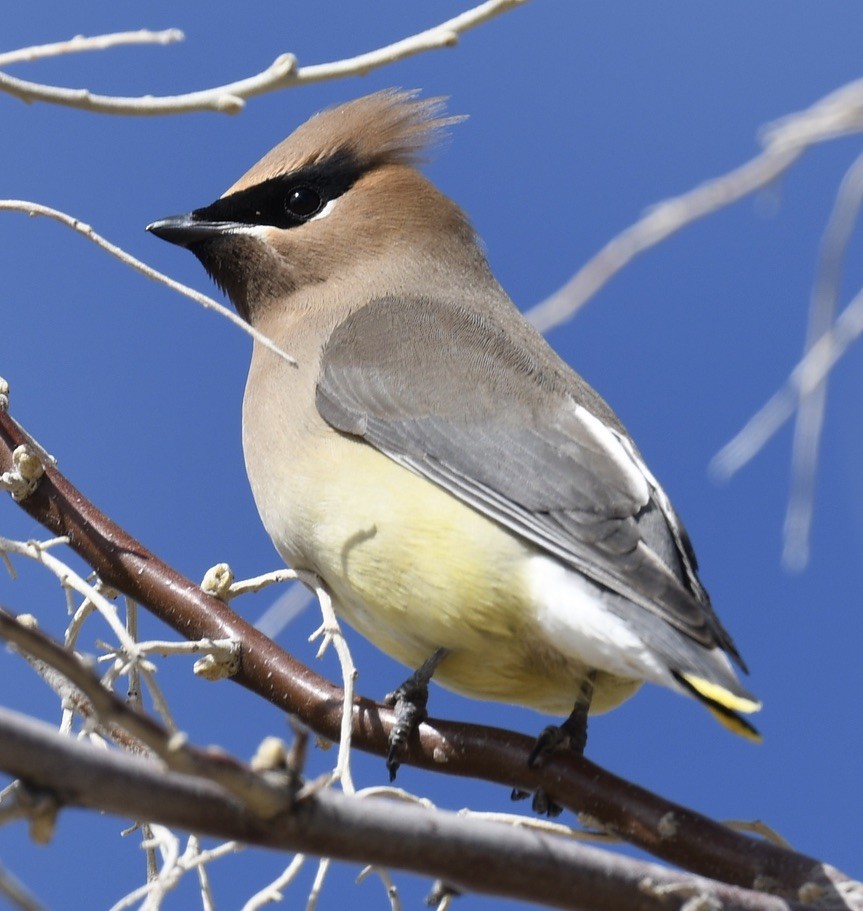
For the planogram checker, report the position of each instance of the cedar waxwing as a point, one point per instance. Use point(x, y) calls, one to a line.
point(472, 505)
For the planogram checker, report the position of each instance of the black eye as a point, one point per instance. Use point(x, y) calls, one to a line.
point(303, 202)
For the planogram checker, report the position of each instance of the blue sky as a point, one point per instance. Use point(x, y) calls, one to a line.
point(581, 115)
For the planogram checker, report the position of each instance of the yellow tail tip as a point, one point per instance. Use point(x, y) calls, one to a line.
point(713, 692)
point(735, 723)
point(723, 705)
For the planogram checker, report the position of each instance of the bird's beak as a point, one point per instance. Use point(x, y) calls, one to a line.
point(185, 230)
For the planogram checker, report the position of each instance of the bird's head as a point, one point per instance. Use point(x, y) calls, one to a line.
point(336, 202)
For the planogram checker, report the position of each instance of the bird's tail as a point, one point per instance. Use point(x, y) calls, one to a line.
point(724, 705)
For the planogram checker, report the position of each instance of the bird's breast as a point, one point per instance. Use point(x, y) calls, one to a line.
point(408, 565)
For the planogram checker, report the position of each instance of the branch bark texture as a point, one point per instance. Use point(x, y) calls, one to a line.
point(671, 832)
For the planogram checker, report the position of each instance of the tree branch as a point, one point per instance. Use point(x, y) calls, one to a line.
point(260, 796)
point(667, 830)
point(470, 854)
point(36, 209)
point(97, 43)
point(838, 114)
point(230, 98)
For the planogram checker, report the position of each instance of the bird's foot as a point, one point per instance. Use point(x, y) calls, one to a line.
point(572, 735)
point(541, 803)
point(409, 701)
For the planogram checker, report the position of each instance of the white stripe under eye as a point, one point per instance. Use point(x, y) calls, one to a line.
point(325, 211)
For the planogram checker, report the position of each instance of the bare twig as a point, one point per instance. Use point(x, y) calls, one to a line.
point(71, 581)
point(693, 842)
point(175, 866)
point(33, 209)
point(283, 73)
point(273, 891)
point(258, 583)
point(810, 408)
point(318, 884)
point(79, 44)
point(330, 631)
point(259, 794)
point(834, 115)
point(806, 376)
point(17, 894)
point(384, 875)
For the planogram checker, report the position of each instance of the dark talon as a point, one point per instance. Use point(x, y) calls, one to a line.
point(572, 734)
point(410, 701)
point(410, 711)
point(543, 805)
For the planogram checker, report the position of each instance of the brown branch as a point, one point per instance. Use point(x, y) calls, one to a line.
point(470, 854)
point(666, 830)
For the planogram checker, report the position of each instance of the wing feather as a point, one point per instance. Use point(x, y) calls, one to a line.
point(495, 418)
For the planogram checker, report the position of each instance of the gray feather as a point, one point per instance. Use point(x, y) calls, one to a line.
point(488, 412)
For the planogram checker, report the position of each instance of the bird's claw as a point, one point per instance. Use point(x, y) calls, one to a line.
point(409, 701)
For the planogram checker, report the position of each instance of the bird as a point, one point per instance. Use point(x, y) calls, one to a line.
point(470, 503)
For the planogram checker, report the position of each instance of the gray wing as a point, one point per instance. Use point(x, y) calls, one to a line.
point(489, 412)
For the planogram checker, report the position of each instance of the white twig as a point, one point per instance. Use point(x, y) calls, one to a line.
point(384, 875)
point(257, 583)
point(33, 209)
point(134, 667)
point(757, 827)
point(17, 894)
point(69, 579)
point(282, 611)
point(331, 632)
point(392, 793)
point(281, 74)
point(79, 44)
point(805, 377)
point(318, 883)
point(76, 624)
point(160, 703)
point(836, 114)
point(811, 407)
point(208, 902)
point(273, 892)
point(174, 867)
point(542, 825)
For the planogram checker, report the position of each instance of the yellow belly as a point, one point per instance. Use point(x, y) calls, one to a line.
point(413, 569)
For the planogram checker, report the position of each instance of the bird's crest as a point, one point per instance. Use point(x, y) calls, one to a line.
point(389, 127)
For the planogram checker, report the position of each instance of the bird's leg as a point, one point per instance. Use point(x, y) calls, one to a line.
point(572, 733)
point(410, 701)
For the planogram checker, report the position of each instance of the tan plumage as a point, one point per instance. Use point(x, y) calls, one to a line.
point(453, 482)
